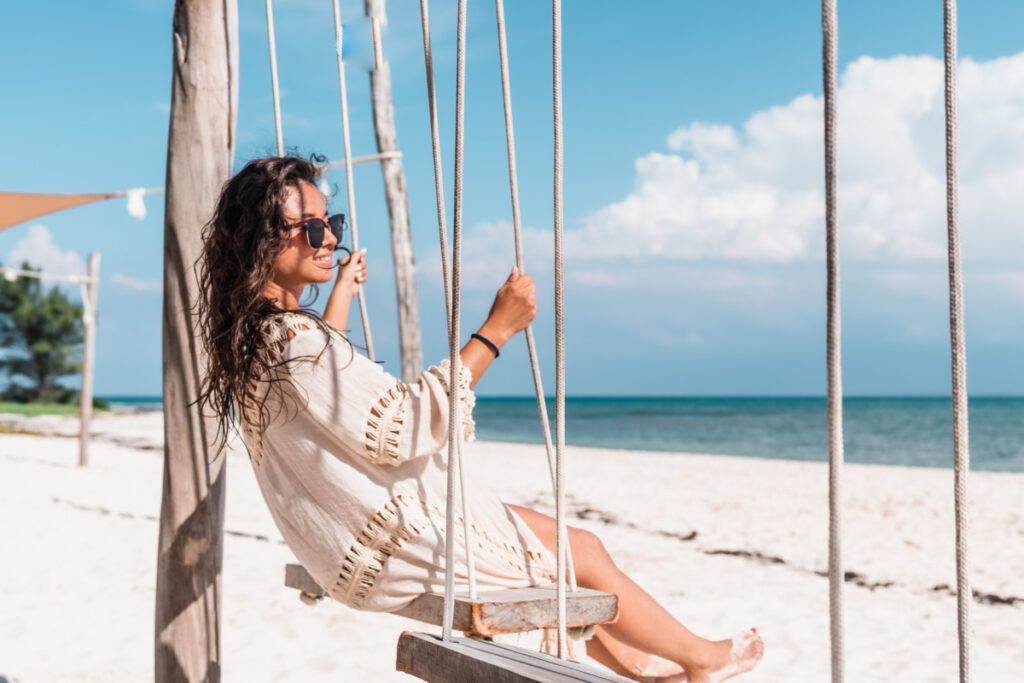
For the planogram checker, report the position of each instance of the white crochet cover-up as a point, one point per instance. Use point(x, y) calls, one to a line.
point(353, 468)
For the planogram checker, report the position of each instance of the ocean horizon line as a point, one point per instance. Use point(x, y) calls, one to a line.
point(886, 429)
point(156, 398)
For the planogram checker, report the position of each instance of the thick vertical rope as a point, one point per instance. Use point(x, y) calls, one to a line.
point(563, 541)
point(272, 44)
point(513, 183)
point(349, 184)
point(961, 448)
point(435, 139)
point(454, 432)
point(830, 41)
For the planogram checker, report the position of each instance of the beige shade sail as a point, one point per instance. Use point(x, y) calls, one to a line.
point(18, 207)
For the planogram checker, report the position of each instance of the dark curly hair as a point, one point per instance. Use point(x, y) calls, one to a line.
point(240, 243)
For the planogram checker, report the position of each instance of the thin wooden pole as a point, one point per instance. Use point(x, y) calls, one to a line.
point(89, 357)
point(200, 150)
point(398, 203)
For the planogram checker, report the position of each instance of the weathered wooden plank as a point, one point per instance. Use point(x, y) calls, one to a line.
point(493, 612)
point(296, 576)
point(515, 610)
point(465, 660)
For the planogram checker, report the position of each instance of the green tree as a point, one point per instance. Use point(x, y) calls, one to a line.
point(41, 334)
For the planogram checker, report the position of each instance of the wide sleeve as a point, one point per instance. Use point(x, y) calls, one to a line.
point(374, 414)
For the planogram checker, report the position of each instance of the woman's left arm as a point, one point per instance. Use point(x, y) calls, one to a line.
point(423, 420)
point(391, 421)
point(514, 307)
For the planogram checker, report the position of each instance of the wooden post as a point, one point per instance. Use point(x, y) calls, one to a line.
point(89, 358)
point(398, 203)
point(200, 151)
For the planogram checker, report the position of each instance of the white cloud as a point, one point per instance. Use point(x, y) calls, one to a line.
point(1008, 282)
point(728, 210)
point(912, 282)
point(756, 194)
point(136, 284)
point(488, 254)
point(600, 278)
point(40, 251)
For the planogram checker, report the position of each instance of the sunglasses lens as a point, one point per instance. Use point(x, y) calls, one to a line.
point(338, 228)
point(315, 229)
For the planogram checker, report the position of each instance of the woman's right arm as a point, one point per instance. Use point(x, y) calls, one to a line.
point(351, 274)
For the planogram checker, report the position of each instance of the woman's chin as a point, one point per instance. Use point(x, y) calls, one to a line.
point(322, 274)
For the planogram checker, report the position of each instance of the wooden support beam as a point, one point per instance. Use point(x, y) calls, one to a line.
point(466, 660)
point(200, 149)
point(493, 612)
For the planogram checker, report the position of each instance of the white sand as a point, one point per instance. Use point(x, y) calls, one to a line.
point(79, 554)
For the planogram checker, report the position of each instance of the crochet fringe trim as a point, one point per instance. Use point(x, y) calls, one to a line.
point(398, 521)
point(384, 424)
point(387, 416)
point(468, 399)
point(401, 519)
point(276, 329)
point(535, 566)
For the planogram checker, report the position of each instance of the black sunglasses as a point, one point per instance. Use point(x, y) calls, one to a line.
point(316, 229)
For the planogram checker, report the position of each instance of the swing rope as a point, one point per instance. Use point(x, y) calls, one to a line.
point(513, 182)
point(454, 416)
point(349, 184)
point(961, 448)
point(563, 541)
point(272, 45)
point(830, 49)
point(435, 140)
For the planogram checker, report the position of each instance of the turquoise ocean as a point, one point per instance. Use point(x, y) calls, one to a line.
point(890, 431)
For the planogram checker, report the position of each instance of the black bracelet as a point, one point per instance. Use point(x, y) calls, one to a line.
point(486, 341)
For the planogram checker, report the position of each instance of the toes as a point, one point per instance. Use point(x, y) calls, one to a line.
point(747, 646)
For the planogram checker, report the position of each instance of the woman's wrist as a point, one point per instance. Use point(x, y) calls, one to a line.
point(494, 334)
point(486, 342)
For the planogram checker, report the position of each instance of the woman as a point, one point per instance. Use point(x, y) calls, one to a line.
point(349, 459)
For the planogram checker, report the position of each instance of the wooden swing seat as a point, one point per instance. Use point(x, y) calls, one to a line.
point(493, 612)
point(468, 660)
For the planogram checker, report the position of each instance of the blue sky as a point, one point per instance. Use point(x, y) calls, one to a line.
point(692, 180)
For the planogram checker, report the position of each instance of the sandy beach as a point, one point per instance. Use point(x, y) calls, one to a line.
point(725, 542)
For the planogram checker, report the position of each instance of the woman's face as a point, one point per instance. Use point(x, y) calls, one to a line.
point(299, 264)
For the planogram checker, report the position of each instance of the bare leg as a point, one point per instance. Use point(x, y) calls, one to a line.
point(644, 624)
point(628, 661)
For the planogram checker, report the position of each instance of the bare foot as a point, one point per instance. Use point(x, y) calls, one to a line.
point(660, 670)
point(731, 657)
